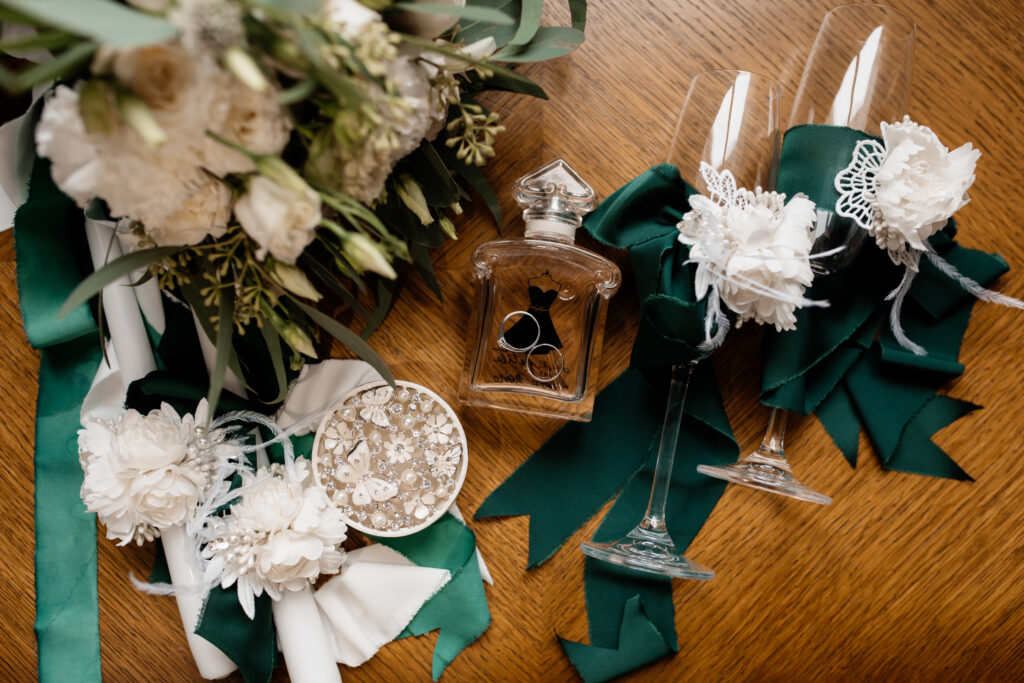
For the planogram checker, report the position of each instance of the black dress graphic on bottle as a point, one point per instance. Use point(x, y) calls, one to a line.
point(523, 333)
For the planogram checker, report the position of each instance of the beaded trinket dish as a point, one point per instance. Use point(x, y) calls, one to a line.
point(392, 458)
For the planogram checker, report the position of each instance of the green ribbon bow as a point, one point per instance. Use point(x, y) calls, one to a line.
point(585, 464)
point(49, 237)
point(833, 365)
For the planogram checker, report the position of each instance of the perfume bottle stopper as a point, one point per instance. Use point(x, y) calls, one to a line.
point(554, 200)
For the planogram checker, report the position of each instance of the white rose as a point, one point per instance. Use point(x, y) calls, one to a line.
point(139, 474)
point(281, 219)
point(920, 184)
point(206, 212)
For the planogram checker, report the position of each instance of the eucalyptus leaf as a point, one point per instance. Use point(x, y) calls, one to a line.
point(203, 314)
point(498, 70)
point(45, 40)
point(529, 22)
point(471, 32)
point(387, 290)
point(421, 257)
point(439, 188)
point(225, 317)
point(297, 92)
point(324, 275)
point(578, 14)
point(475, 177)
point(52, 69)
point(498, 81)
point(550, 42)
point(124, 265)
point(304, 6)
point(350, 339)
point(105, 21)
point(482, 14)
point(273, 341)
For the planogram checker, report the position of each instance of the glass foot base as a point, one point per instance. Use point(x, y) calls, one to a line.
point(647, 551)
point(768, 473)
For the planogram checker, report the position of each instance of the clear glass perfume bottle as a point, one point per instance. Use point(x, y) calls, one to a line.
point(541, 305)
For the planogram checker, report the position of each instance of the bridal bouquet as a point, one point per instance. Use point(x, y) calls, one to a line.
point(261, 158)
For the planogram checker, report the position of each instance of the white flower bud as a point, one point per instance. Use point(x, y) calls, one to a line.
point(245, 69)
point(367, 254)
point(135, 112)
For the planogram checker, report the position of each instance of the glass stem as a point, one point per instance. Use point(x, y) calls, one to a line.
point(654, 520)
point(772, 442)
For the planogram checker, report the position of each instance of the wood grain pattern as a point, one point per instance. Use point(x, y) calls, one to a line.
point(902, 578)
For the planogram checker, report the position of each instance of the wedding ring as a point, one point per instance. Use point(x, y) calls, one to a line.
point(502, 344)
point(561, 363)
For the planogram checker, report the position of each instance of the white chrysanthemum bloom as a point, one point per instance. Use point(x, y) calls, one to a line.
point(904, 189)
point(281, 219)
point(920, 184)
point(752, 248)
point(149, 472)
point(281, 536)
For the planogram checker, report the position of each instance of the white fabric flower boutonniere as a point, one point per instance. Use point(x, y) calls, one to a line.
point(904, 189)
point(752, 253)
point(280, 536)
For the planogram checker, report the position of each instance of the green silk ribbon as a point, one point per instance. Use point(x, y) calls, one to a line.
point(584, 465)
point(833, 365)
point(67, 615)
point(459, 609)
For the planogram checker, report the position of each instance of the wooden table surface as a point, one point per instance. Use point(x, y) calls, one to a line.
point(903, 577)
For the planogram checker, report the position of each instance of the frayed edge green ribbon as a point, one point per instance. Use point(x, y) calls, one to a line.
point(833, 365)
point(67, 611)
point(584, 465)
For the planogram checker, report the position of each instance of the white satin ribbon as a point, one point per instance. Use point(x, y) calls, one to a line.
point(373, 599)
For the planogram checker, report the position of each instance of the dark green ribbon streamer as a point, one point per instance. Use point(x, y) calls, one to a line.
point(585, 464)
point(833, 365)
point(46, 226)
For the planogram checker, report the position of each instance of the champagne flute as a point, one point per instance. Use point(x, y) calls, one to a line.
point(857, 76)
point(730, 120)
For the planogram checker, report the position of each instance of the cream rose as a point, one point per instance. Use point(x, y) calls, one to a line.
point(140, 473)
point(920, 183)
point(253, 120)
point(281, 219)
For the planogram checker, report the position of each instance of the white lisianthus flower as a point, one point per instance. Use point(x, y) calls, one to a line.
point(753, 251)
point(282, 219)
point(921, 184)
point(143, 473)
point(281, 535)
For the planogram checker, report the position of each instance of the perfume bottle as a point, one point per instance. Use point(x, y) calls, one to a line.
point(541, 305)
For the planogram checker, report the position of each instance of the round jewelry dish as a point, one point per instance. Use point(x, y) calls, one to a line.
point(392, 458)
